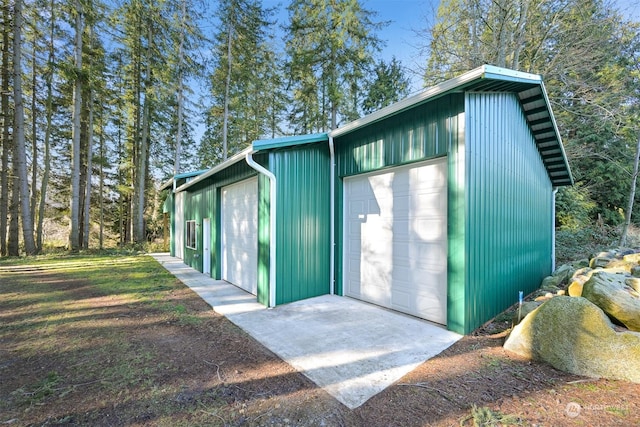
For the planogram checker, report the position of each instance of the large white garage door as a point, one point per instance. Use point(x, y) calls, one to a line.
point(240, 234)
point(395, 237)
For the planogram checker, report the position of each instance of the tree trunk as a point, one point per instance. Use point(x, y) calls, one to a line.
point(101, 237)
point(6, 143)
point(87, 186)
point(227, 89)
point(74, 242)
point(13, 245)
point(47, 131)
point(34, 139)
point(18, 134)
point(632, 196)
point(180, 94)
point(141, 165)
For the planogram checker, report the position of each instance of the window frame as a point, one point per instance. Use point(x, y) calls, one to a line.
point(191, 242)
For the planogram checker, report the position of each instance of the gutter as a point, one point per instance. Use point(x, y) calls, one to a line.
point(272, 223)
point(332, 217)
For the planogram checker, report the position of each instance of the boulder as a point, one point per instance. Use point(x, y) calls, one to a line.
point(578, 279)
point(527, 307)
point(599, 262)
point(551, 283)
point(574, 335)
point(633, 258)
point(635, 271)
point(575, 288)
point(615, 297)
point(634, 283)
point(564, 272)
point(582, 263)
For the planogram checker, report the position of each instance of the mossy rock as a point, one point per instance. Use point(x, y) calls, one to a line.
point(551, 283)
point(564, 272)
point(574, 335)
point(613, 294)
point(526, 308)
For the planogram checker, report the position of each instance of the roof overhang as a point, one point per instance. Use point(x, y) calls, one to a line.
point(289, 141)
point(230, 161)
point(258, 145)
point(487, 78)
point(169, 183)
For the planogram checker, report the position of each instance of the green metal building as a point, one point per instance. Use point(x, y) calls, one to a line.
point(440, 206)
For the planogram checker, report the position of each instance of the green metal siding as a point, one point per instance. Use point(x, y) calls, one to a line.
point(264, 237)
point(199, 204)
point(169, 207)
point(508, 228)
point(427, 131)
point(202, 201)
point(303, 226)
point(418, 134)
point(456, 218)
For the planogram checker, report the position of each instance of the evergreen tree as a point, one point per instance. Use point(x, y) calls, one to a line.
point(330, 45)
point(577, 46)
point(388, 84)
point(245, 81)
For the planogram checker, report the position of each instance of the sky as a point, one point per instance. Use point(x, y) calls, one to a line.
point(406, 18)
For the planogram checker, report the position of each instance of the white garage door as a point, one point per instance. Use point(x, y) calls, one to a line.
point(240, 234)
point(395, 237)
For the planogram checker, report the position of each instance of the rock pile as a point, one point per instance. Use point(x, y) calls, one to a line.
point(596, 330)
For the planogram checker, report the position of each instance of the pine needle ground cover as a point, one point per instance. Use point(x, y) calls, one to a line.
point(115, 340)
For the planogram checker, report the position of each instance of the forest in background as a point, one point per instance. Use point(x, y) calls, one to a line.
point(103, 100)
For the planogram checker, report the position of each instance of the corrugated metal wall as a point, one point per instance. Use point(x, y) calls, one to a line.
point(303, 226)
point(179, 226)
point(198, 204)
point(414, 135)
point(508, 196)
point(424, 132)
point(202, 201)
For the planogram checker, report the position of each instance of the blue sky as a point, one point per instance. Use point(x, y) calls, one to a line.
point(406, 18)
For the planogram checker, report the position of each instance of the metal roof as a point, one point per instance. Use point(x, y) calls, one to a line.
point(230, 161)
point(487, 78)
point(289, 141)
point(261, 144)
point(168, 183)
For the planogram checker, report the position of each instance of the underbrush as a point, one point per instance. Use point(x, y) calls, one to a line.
point(579, 243)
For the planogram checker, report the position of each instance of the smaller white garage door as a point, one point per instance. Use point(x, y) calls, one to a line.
point(240, 234)
point(395, 239)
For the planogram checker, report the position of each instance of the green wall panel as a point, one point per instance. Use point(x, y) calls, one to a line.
point(418, 134)
point(509, 207)
point(202, 201)
point(426, 131)
point(303, 226)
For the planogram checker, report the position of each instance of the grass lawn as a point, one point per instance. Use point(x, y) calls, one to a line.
point(115, 340)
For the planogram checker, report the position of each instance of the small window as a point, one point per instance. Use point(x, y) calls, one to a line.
point(191, 234)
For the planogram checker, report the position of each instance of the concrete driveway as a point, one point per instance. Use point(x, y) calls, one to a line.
point(351, 349)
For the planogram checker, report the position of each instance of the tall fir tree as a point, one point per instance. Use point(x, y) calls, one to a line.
point(330, 45)
point(245, 82)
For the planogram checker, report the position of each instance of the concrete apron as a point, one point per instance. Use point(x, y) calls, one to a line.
point(353, 350)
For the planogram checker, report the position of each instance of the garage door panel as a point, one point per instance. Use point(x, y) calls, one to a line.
point(395, 253)
point(240, 234)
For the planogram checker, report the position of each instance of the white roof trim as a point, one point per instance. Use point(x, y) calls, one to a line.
point(230, 161)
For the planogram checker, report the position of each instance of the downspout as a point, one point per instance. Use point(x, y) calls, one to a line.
point(553, 230)
point(332, 218)
point(272, 224)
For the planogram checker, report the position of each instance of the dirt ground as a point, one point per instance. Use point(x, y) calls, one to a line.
point(109, 361)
